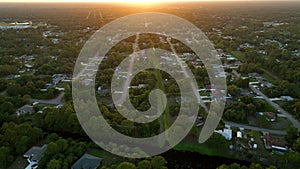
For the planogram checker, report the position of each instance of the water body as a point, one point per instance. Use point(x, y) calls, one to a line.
point(193, 160)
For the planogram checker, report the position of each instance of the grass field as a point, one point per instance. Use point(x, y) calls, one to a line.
point(204, 148)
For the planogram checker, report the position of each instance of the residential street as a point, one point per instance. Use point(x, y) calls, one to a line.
point(187, 75)
point(277, 107)
point(56, 101)
point(130, 68)
point(277, 132)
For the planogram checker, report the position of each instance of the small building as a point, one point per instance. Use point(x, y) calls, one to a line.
point(227, 133)
point(25, 109)
point(276, 145)
point(267, 140)
point(103, 92)
point(87, 161)
point(270, 116)
point(35, 153)
point(286, 98)
point(254, 75)
point(239, 134)
point(199, 121)
point(246, 92)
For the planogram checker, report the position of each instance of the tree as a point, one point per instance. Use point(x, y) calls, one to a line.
point(271, 167)
point(62, 144)
point(126, 165)
point(52, 149)
point(5, 157)
point(233, 90)
point(54, 164)
point(7, 107)
point(53, 137)
point(297, 145)
point(14, 89)
point(243, 83)
point(158, 162)
point(294, 159)
point(255, 166)
point(292, 134)
point(145, 164)
point(173, 88)
point(3, 84)
point(247, 99)
point(22, 144)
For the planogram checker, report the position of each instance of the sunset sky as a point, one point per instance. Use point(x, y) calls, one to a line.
point(134, 1)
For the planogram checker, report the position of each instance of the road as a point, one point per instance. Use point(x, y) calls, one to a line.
point(130, 67)
point(187, 75)
point(236, 73)
point(276, 132)
point(274, 105)
point(56, 101)
point(277, 107)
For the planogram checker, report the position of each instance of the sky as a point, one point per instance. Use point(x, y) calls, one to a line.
point(130, 1)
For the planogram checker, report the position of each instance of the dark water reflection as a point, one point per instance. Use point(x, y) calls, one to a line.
point(192, 160)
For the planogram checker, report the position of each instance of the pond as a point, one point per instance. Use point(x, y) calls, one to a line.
point(193, 160)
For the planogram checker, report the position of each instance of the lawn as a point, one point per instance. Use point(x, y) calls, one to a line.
point(279, 124)
point(204, 148)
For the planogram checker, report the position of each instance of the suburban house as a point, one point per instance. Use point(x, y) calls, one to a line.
point(227, 133)
point(286, 98)
point(34, 155)
point(87, 161)
point(276, 145)
point(270, 116)
point(25, 109)
point(239, 134)
point(103, 92)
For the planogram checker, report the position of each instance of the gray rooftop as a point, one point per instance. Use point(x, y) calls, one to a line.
point(87, 161)
point(36, 153)
point(25, 109)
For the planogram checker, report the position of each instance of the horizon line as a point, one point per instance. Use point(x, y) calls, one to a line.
point(167, 1)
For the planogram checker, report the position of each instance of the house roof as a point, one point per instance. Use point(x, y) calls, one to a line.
point(25, 109)
point(87, 161)
point(36, 153)
point(267, 140)
point(270, 115)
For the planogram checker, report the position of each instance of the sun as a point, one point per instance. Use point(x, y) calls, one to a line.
point(139, 1)
point(144, 2)
point(122, 1)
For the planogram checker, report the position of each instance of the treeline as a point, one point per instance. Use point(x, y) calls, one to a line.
point(15, 139)
point(157, 162)
point(62, 153)
point(238, 111)
point(238, 166)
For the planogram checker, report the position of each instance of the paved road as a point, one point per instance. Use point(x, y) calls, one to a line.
point(201, 102)
point(56, 101)
point(236, 73)
point(277, 132)
point(277, 107)
point(130, 68)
